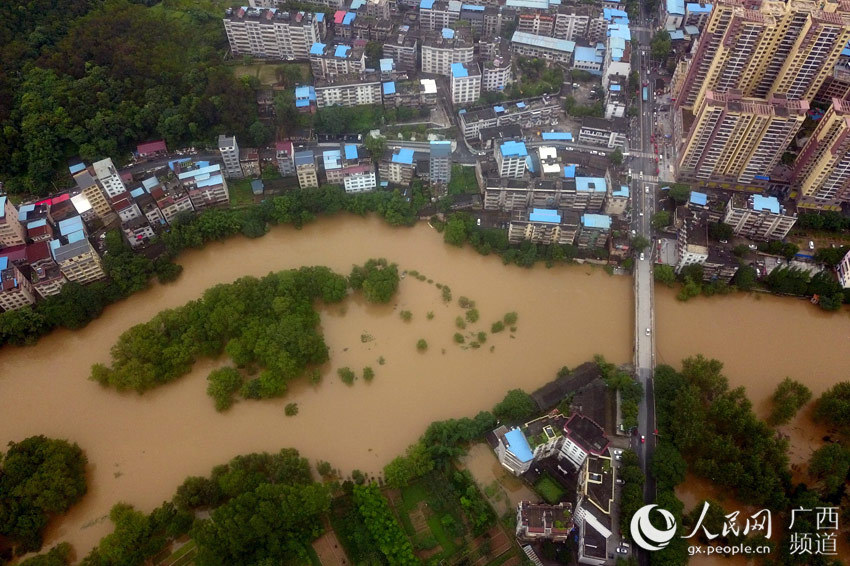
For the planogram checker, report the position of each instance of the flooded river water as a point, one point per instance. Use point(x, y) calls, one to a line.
point(141, 447)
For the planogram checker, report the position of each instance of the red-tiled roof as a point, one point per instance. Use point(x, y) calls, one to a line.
point(37, 251)
point(151, 147)
point(14, 253)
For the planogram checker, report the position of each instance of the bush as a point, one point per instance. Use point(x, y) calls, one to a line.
point(346, 375)
point(406, 316)
point(447, 294)
point(482, 337)
point(291, 409)
point(224, 383)
point(421, 345)
point(472, 315)
point(789, 397)
point(430, 315)
point(517, 407)
point(510, 318)
point(497, 327)
point(368, 373)
point(465, 303)
point(459, 338)
point(460, 323)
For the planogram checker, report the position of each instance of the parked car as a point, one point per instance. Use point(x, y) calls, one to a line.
point(648, 332)
point(641, 256)
point(620, 482)
point(811, 245)
point(642, 439)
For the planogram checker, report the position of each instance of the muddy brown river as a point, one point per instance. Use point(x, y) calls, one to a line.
point(140, 448)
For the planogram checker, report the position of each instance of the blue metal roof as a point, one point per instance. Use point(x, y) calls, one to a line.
point(357, 3)
point(76, 236)
point(699, 198)
point(304, 157)
point(389, 88)
point(676, 7)
point(23, 210)
point(349, 17)
point(458, 70)
point(569, 171)
point(677, 34)
point(317, 48)
point(301, 103)
point(150, 183)
point(210, 181)
point(498, 109)
point(4, 263)
point(559, 136)
point(695, 8)
point(545, 215)
point(332, 159)
point(473, 8)
point(513, 149)
point(518, 445)
point(692, 30)
point(37, 223)
point(766, 203)
point(70, 225)
point(536, 4)
point(342, 50)
point(620, 31)
point(520, 104)
point(210, 169)
point(591, 184)
point(615, 88)
point(257, 187)
point(426, 4)
point(596, 221)
point(136, 193)
point(623, 191)
point(350, 151)
point(529, 163)
point(544, 42)
point(587, 54)
point(448, 33)
point(386, 65)
point(320, 16)
point(76, 168)
point(403, 155)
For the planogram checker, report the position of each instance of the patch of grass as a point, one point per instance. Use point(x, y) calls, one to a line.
point(240, 192)
point(463, 181)
point(441, 535)
point(549, 489)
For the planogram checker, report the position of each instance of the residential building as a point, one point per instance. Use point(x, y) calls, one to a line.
point(151, 149)
point(347, 90)
point(525, 113)
point(593, 511)
point(305, 99)
point(496, 73)
point(428, 91)
point(766, 48)
point(578, 21)
point(77, 259)
point(346, 167)
point(466, 83)
point(539, 521)
point(229, 150)
point(137, 231)
point(589, 59)
point(15, 290)
point(147, 203)
point(674, 13)
point(285, 158)
point(739, 140)
point(616, 98)
point(617, 61)
point(691, 244)
point(843, 270)
point(328, 61)
point(109, 178)
point(594, 231)
point(822, 170)
point(513, 450)
point(305, 168)
point(91, 195)
point(39, 230)
point(549, 48)
point(536, 23)
point(438, 14)
point(44, 273)
point(403, 93)
point(758, 217)
point(403, 48)
point(606, 133)
point(511, 157)
point(697, 14)
point(171, 199)
point(205, 184)
point(397, 167)
point(124, 206)
point(443, 47)
point(249, 162)
point(12, 233)
point(272, 33)
point(617, 201)
point(440, 162)
point(582, 437)
point(837, 84)
point(543, 226)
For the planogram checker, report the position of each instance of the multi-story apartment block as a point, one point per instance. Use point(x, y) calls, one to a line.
point(403, 48)
point(582, 438)
point(285, 158)
point(171, 199)
point(691, 244)
point(272, 33)
point(606, 133)
point(443, 47)
point(766, 47)
point(206, 185)
point(525, 113)
point(109, 178)
point(837, 84)
point(12, 233)
point(536, 23)
point(758, 217)
point(428, 91)
point(617, 200)
point(346, 167)
point(147, 204)
point(739, 140)
point(511, 158)
point(822, 170)
point(589, 59)
point(125, 206)
point(843, 270)
point(229, 150)
point(539, 521)
point(305, 168)
point(496, 74)
point(15, 290)
point(594, 231)
point(513, 450)
point(440, 162)
point(543, 226)
point(44, 274)
point(572, 22)
point(77, 259)
point(549, 48)
point(617, 60)
point(438, 14)
point(465, 83)
point(397, 167)
point(137, 231)
point(329, 61)
point(697, 14)
point(347, 90)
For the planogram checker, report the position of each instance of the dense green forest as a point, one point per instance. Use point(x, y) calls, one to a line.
point(94, 77)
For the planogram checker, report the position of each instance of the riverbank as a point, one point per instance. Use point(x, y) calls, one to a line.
point(141, 448)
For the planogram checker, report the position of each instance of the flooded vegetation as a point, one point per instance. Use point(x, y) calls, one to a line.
point(140, 448)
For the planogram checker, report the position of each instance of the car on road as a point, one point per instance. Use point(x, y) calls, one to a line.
point(753, 247)
point(641, 256)
point(646, 190)
point(642, 439)
point(811, 245)
point(648, 332)
point(622, 550)
point(478, 222)
point(641, 213)
point(620, 481)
